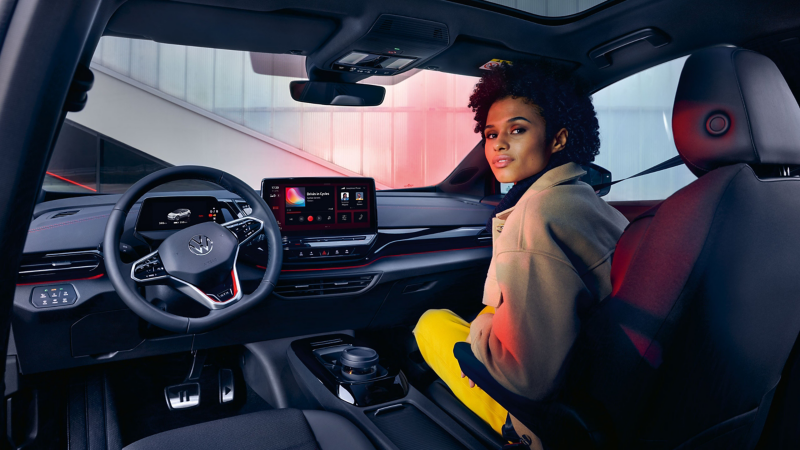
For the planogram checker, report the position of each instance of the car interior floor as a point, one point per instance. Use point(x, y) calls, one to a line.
point(116, 405)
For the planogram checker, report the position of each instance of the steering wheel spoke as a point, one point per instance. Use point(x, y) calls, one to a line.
point(228, 292)
point(151, 270)
point(245, 228)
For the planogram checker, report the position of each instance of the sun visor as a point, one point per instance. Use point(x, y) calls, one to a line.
point(279, 65)
point(225, 28)
point(467, 55)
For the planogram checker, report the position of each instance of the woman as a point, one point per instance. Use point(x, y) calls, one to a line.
point(553, 238)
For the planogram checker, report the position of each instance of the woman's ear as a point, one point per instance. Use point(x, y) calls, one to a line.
point(559, 141)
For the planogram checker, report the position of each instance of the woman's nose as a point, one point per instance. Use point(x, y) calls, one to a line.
point(500, 144)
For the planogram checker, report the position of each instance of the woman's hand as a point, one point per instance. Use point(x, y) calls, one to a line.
point(476, 326)
point(471, 383)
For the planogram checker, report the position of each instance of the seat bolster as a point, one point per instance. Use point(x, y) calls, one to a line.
point(445, 399)
point(334, 432)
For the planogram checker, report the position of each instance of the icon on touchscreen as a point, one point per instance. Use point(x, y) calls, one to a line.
point(295, 197)
point(359, 196)
point(345, 196)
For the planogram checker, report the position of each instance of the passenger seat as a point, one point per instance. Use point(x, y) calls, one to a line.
point(689, 348)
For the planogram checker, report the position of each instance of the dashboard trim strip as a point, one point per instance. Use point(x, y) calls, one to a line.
point(378, 259)
point(61, 281)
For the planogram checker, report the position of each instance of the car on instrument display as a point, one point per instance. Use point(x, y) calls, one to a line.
point(338, 191)
point(179, 214)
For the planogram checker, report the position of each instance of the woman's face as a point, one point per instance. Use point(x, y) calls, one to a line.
point(515, 140)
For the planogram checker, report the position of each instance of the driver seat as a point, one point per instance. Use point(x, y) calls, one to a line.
point(278, 429)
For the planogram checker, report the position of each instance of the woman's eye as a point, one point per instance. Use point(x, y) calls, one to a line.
point(518, 131)
point(491, 135)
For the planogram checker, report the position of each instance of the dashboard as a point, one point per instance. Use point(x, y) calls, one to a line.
point(411, 251)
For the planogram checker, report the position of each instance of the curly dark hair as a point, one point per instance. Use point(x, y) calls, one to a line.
point(562, 100)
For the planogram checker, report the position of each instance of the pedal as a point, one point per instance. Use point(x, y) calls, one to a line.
point(225, 385)
point(183, 396)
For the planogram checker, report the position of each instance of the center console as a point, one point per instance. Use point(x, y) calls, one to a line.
point(346, 376)
point(351, 372)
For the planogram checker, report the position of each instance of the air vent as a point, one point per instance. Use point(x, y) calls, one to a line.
point(60, 266)
point(325, 286)
point(65, 214)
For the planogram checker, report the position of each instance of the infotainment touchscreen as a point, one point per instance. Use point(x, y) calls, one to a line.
point(174, 213)
point(322, 205)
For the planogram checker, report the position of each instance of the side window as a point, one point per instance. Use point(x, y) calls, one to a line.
point(635, 116)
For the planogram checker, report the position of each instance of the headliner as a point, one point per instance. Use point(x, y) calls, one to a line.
point(322, 29)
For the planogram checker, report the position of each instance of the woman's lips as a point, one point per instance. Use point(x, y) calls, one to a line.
point(501, 161)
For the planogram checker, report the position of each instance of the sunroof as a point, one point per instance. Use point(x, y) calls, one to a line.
point(548, 8)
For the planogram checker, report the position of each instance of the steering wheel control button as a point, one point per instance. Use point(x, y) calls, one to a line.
point(149, 268)
point(183, 396)
point(244, 229)
point(54, 296)
point(225, 385)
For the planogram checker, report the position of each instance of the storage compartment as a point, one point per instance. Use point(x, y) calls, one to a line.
point(120, 331)
point(459, 291)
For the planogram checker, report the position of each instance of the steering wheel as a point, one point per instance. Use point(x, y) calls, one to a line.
point(200, 261)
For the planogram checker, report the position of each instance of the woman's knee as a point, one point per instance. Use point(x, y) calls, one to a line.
point(432, 320)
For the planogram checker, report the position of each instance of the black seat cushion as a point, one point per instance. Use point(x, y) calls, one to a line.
point(280, 429)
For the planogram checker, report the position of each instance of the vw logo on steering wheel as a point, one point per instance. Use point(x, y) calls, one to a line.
point(200, 245)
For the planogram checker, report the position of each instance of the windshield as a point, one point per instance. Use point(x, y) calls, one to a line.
point(155, 105)
point(158, 105)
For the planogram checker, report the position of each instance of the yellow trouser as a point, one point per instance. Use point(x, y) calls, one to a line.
point(437, 332)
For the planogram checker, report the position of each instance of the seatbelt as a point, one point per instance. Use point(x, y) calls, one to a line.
point(672, 162)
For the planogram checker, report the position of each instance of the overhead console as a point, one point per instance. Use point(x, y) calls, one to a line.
point(393, 45)
point(323, 219)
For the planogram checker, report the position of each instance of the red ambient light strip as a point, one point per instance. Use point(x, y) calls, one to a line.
point(70, 181)
point(60, 281)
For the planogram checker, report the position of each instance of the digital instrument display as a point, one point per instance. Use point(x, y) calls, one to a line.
point(321, 205)
point(175, 213)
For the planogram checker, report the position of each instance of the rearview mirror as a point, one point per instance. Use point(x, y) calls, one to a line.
point(598, 177)
point(342, 94)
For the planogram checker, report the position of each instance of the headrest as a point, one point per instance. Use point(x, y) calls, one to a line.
point(733, 106)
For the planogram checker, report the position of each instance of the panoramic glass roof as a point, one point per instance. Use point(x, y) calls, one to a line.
point(549, 8)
